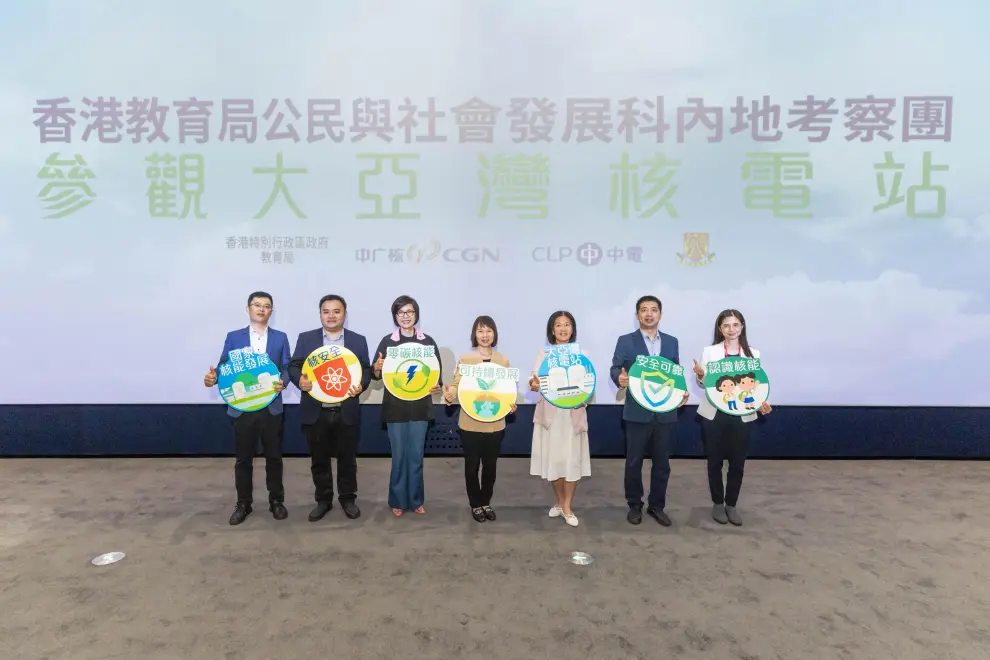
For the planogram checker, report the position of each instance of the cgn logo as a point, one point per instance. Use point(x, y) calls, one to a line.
point(432, 251)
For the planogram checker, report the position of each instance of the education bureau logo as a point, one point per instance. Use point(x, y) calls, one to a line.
point(432, 251)
point(567, 378)
point(587, 254)
point(487, 392)
point(656, 383)
point(247, 380)
point(736, 385)
point(410, 371)
point(332, 370)
point(696, 250)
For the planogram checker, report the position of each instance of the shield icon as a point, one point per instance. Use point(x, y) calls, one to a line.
point(333, 377)
point(656, 388)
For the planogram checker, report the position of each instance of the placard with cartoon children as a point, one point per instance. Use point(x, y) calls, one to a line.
point(736, 385)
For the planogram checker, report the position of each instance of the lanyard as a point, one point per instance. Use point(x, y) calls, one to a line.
point(725, 346)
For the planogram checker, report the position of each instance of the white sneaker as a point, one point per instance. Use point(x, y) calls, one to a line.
point(555, 511)
point(570, 519)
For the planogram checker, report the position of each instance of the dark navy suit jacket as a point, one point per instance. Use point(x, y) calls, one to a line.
point(277, 350)
point(309, 408)
point(626, 350)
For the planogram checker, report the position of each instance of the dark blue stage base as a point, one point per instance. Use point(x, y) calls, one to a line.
point(790, 432)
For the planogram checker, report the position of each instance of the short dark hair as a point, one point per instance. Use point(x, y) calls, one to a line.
point(333, 296)
point(553, 318)
point(644, 299)
point(487, 322)
point(401, 302)
point(261, 294)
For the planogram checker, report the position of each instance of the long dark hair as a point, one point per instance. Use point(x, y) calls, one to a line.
point(718, 338)
point(553, 318)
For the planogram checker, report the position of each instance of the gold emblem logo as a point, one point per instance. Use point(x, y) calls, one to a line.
point(696, 251)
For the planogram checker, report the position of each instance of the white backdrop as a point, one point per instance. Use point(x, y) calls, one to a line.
point(854, 293)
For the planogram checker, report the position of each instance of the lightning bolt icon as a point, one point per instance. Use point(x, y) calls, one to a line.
point(410, 372)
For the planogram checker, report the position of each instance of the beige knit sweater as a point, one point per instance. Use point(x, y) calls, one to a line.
point(465, 421)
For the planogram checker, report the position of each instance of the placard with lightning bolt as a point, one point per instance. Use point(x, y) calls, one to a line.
point(410, 371)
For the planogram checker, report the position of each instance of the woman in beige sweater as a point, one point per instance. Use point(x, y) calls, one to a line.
point(481, 441)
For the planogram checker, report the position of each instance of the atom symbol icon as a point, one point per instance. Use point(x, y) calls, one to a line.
point(334, 378)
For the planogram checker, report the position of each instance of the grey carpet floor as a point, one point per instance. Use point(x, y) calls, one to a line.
point(863, 560)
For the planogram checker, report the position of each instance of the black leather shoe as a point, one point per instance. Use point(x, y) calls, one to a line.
point(321, 509)
point(489, 512)
point(278, 511)
point(478, 514)
point(635, 516)
point(659, 516)
point(241, 511)
point(350, 509)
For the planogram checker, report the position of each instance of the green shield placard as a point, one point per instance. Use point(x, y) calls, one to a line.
point(656, 383)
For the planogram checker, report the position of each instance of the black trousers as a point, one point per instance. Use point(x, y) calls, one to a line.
point(330, 437)
point(726, 438)
point(249, 427)
point(640, 438)
point(480, 450)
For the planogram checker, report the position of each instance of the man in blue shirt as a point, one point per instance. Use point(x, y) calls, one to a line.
point(266, 423)
point(645, 429)
point(331, 429)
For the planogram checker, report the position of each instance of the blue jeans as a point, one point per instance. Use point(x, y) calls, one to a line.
point(405, 484)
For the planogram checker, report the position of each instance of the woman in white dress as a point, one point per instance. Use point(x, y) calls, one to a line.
point(561, 454)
